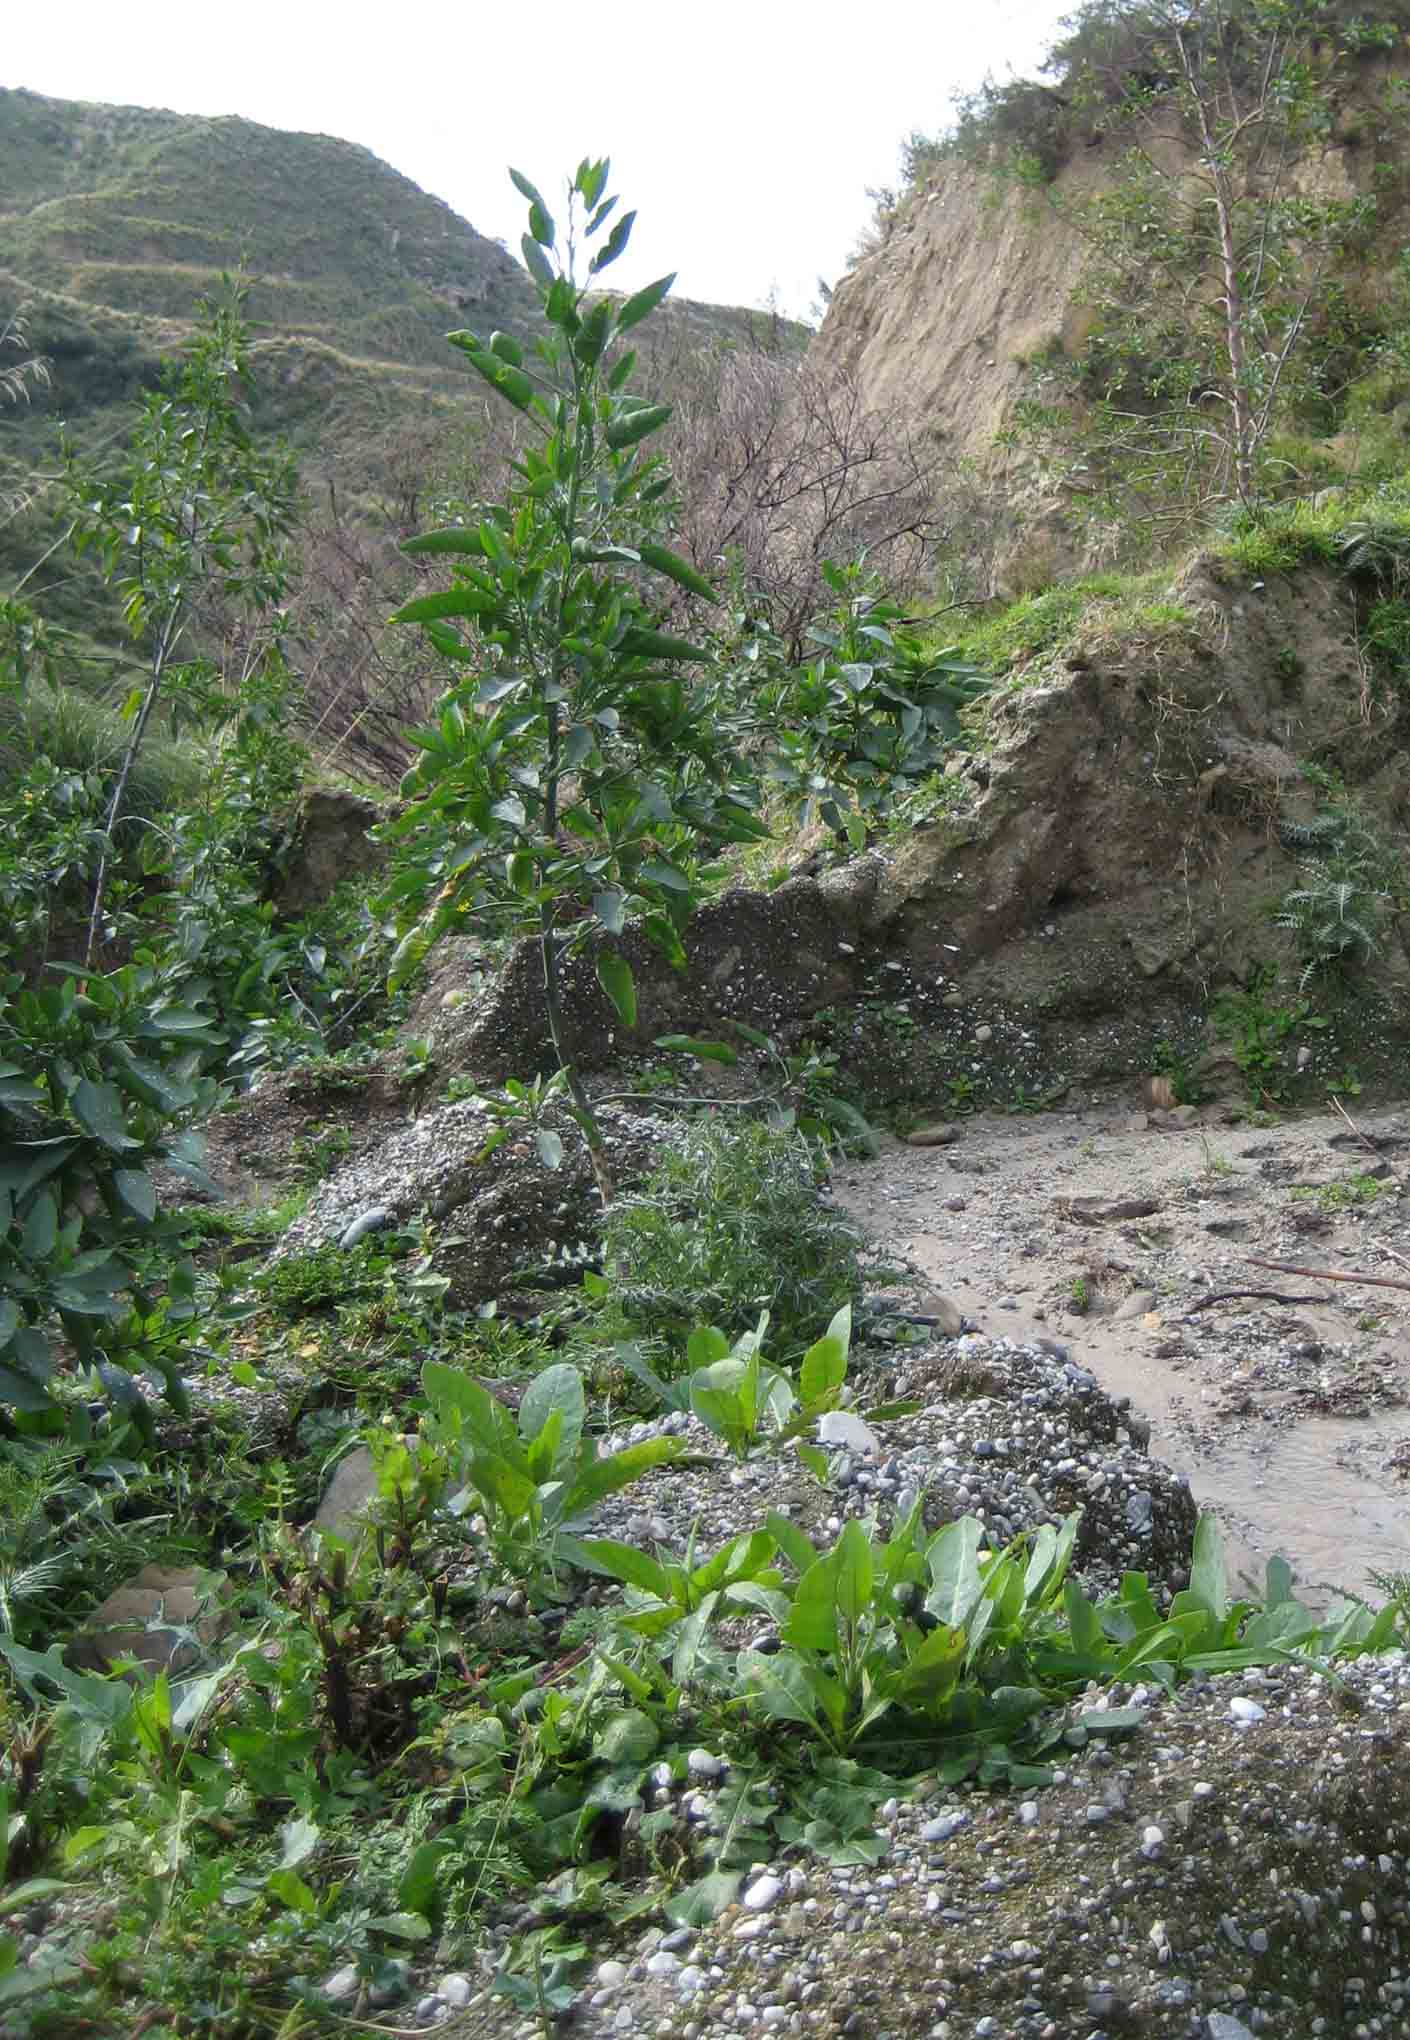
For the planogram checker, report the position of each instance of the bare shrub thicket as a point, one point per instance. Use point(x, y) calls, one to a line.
point(781, 466)
point(778, 467)
point(366, 682)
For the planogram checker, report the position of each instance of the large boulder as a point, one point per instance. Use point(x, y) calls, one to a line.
point(332, 841)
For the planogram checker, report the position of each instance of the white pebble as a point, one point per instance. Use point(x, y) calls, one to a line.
point(456, 1990)
point(1152, 1839)
point(662, 1963)
point(705, 1764)
point(762, 1893)
point(1246, 1710)
point(608, 1973)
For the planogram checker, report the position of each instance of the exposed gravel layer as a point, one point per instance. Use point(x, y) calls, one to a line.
point(1015, 1435)
point(1238, 1866)
point(507, 1210)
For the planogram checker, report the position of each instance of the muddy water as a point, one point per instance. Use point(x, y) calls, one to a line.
point(1308, 1492)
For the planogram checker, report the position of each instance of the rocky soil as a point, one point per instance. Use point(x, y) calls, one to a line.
point(1078, 1326)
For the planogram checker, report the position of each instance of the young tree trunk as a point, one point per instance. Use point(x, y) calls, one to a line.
point(160, 657)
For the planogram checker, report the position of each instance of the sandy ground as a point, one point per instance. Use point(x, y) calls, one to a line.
point(1122, 1237)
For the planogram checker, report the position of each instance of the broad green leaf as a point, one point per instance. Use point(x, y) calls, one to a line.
point(1208, 1574)
point(174, 1022)
point(676, 569)
point(824, 1367)
point(606, 1476)
point(706, 1345)
point(511, 383)
point(641, 304)
point(815, 1459)
point(402, 1926)
point(41, 1228)
point(624, 1562)
point(812, 1620)
point(537, 263)
point(541, 1458)
point(460, 601)
point(615, 244)
point(502, 1482)
point(705, 1900)
point(21, 1392)
point(640, 643)
point(1279, 1582)
point(1112, 1721)
point(615, 976)
point(98, 1110)
point(707, 1051)
point(855, 1573)
point(778, 1685)
point(525, 189)
point(136, 1192)
point(299, 1837)
point(627, 1737)
point(460, 1402)
point(610, 908)
point(590, 180)
point(521, 870)
point(953, 1559)
point(454, 538)
point(557, 1388)
point(101, 1701)
point(933, 1670)
point(689, 1638)
point(657, 871)
point(796, 1547)
point(630, 427)
point(27, 1163)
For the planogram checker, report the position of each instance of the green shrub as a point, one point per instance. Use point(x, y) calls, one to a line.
point(729, 1224)
point(94, 1087)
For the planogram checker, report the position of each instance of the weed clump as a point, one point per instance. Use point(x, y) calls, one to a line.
point(729, 1224)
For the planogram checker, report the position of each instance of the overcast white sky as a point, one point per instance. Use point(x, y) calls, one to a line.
point(746, 132)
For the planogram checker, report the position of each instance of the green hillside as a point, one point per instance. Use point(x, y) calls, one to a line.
point(114, 221)
point(141, 212)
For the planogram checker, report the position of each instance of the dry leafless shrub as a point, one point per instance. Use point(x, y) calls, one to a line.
point(780, 467)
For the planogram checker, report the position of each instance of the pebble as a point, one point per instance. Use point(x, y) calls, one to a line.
point(705, 1764)
point(342, 1983)
point(1245, 1710)
point(762, 1893)
point(943, 1827)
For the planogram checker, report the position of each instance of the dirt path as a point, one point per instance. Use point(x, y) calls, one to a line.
point(1112, 1234)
